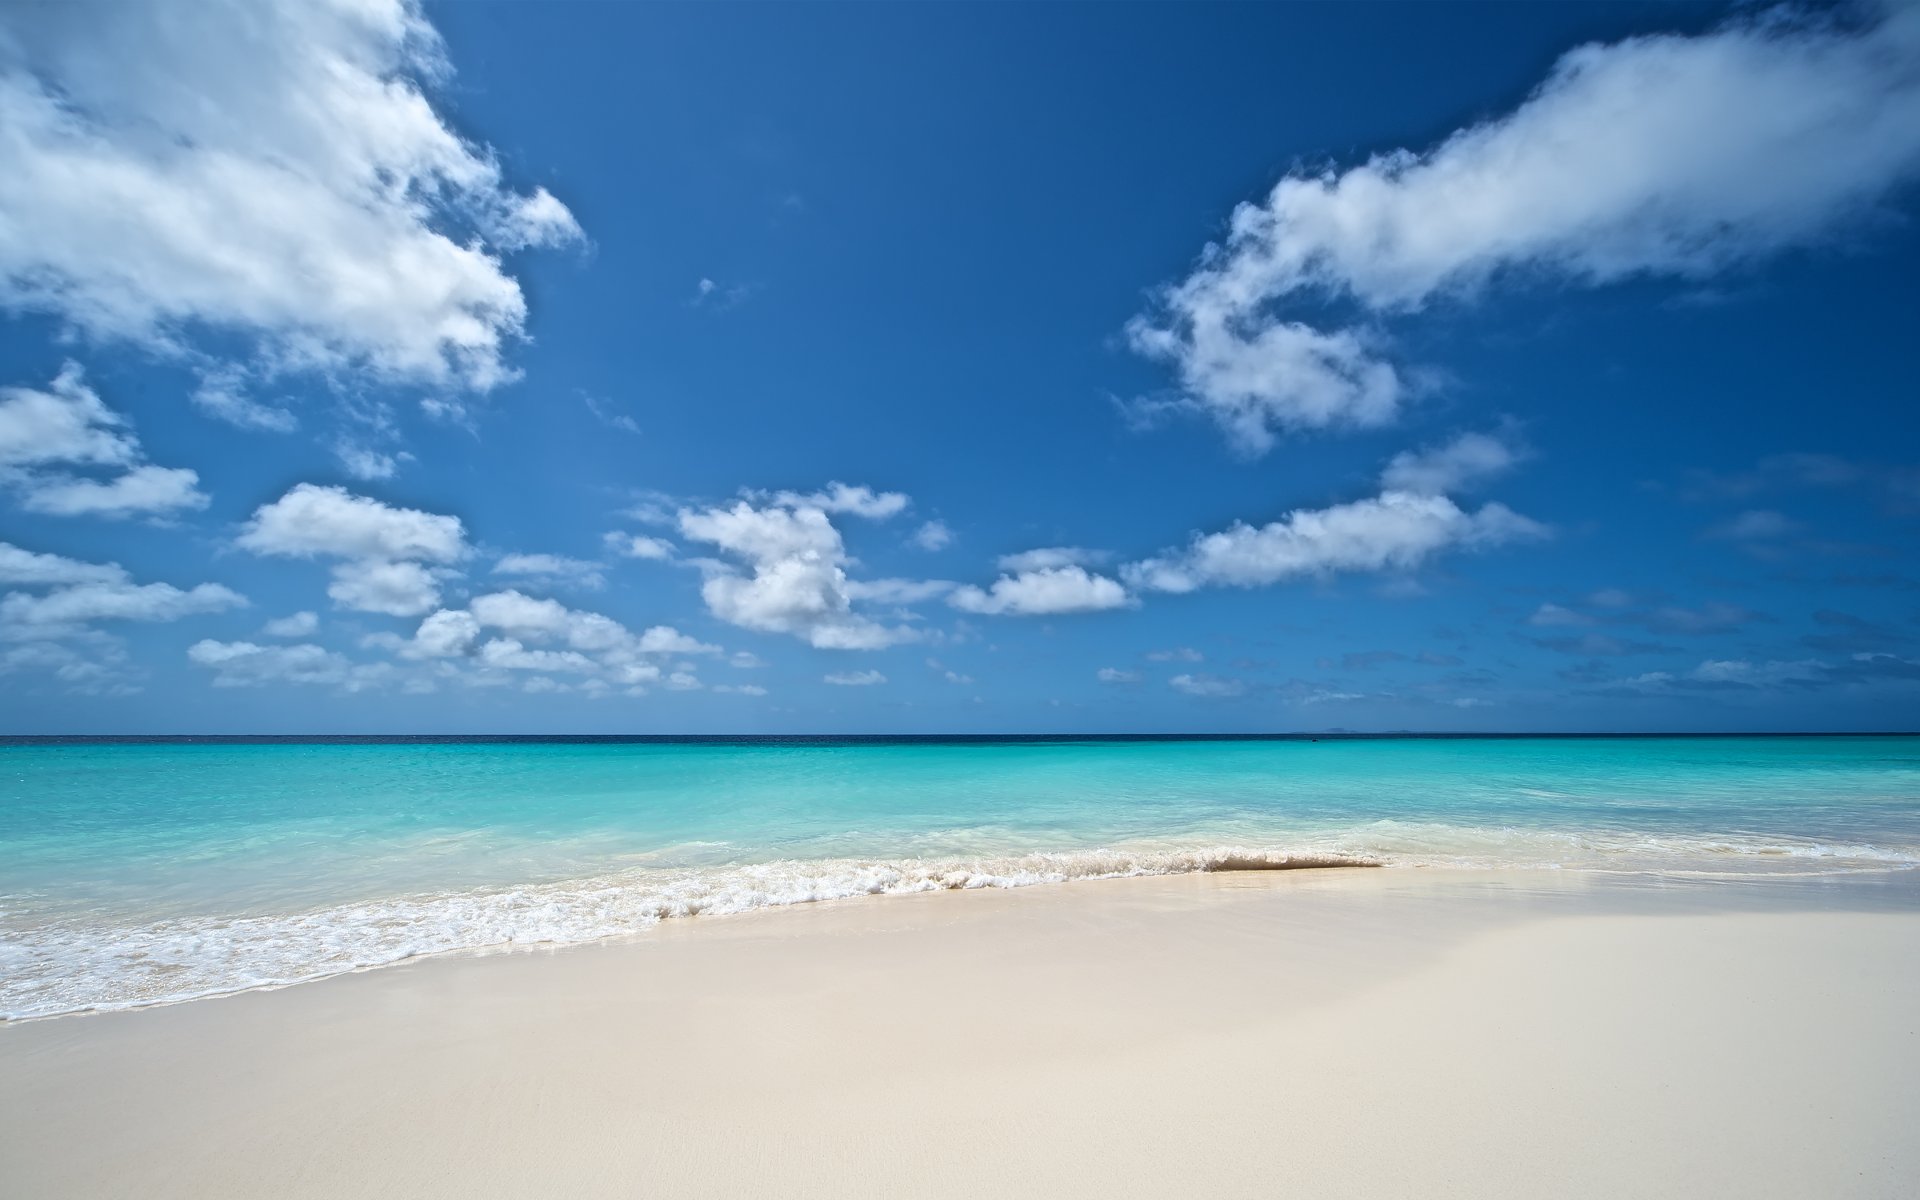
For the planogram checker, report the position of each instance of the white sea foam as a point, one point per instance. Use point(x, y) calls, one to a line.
point(72, 965)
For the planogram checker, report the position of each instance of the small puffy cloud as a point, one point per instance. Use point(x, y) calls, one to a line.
point(1392, 531)
point(1209, 686)
point(294, 625)
point(315, 521)
point(635, 545)
point(68, 425)
point(745, 660)
point(1049, 591)
point(792, 578)
point(739, 689)
point(855, 678)
point(398, 589)
point(933, 535)
point(552, 569)
point(271, 174)
point(1459, 465)
point(448, 633)
point(665, 639)
point(1049, 557)
point(27, 568)
point(1663, 155)
point(1116, 675)
point(509, 654)
point(142, 490)
point(222, 395)
point(838, 497)
point(69, 609)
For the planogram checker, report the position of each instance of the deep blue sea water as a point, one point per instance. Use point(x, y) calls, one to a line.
point(135, 873)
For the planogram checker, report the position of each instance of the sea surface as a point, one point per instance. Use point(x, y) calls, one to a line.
point(136, 873)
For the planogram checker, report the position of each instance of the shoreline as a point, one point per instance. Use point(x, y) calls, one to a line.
point(1039, 869)
point(1388, 1032)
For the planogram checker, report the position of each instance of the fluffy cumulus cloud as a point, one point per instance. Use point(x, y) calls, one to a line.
point(48, 433)
point(638, 545)
point(271, 171)
point(510, 631)
point(1045, 591)
point(785, 566)
point(395, 558)
point(1394, 531)
point(855, 678)
point(1655, 156)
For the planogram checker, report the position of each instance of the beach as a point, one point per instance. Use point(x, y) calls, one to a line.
point(1411, 1032)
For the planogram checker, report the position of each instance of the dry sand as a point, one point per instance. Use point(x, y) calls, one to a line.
point(1379, 1033)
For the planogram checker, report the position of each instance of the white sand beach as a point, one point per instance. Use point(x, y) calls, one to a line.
point(1329, 1033)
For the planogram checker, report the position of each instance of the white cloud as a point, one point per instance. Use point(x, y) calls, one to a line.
point(634, 545)
point(509, 654)
point(1116, 675)
point(142, 490)
point(1050, 557)
point(1045, 592)
point(222, 395)
point(1392, 531)
point(933, 535)
point(25, 567)
point(553, 569)
point(66, 423)
point(1659, 155)
point(398, 589)
point(1211, 686)
point(545, 635)
point(740, 689)
point(745, 660)
point(68, 609)
point(313, 520)
point(365, 463)
point(69, 425)
point(444, 634)
point(797, 582)
point(665, 639)
point(246, 664)
point(294, 625)
point(1461, 464)
point(838, 497)
point(856, 678)
point(269, 170)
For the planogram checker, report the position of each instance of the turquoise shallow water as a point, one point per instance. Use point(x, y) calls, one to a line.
point(142, 873)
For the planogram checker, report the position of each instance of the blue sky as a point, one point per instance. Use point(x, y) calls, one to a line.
point(646, 368)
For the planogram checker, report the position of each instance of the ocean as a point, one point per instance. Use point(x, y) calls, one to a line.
point(141, 872)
